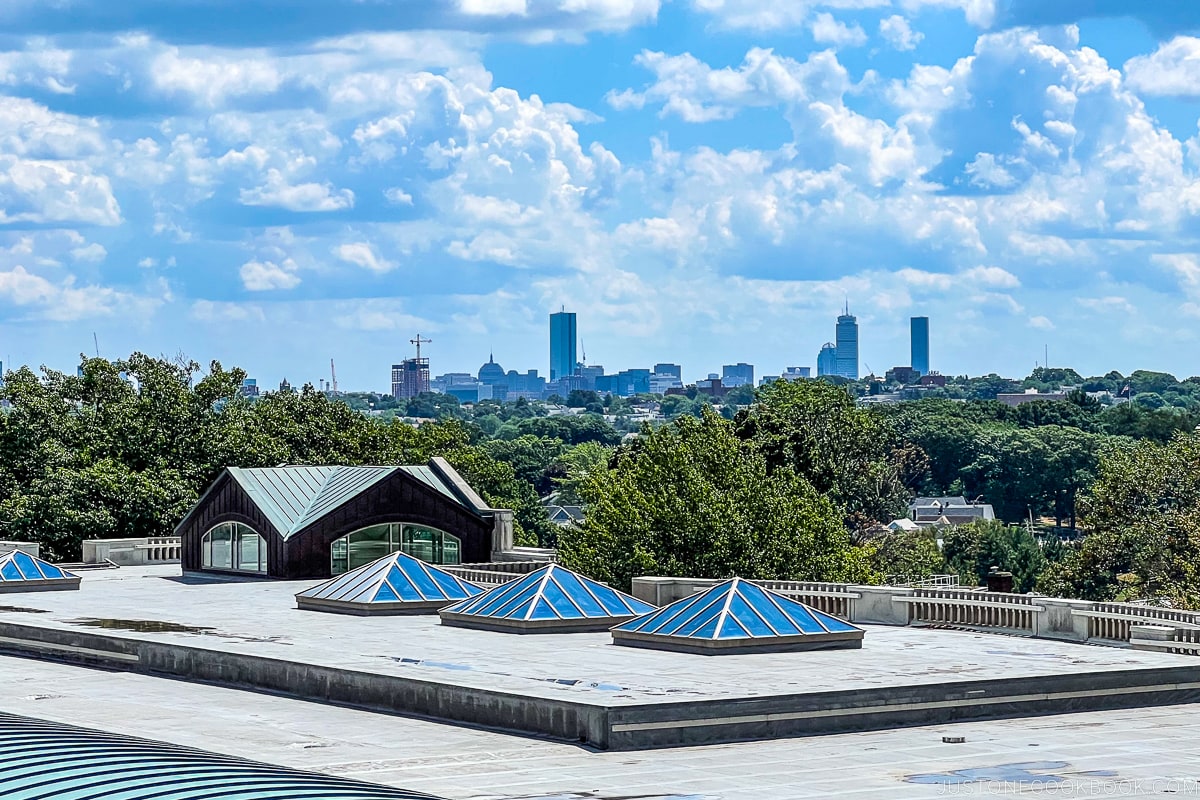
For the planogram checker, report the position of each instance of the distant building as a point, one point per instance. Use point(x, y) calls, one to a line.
point(590, 374)
point(410, 378)
point(739, 374)
point(928, 511)
point(492, 374)
point(933, 379)
point(904, 376)
point(471, 392)
point(659, 384)
point(527, 384)
point(563, 337)
point(797, 374)
point(920, 344)
point(249, 388)
point(1030, 396)
point(847, 346)
point(285, 387)
point(712, 386)
point(669, 369)
point(827, 360)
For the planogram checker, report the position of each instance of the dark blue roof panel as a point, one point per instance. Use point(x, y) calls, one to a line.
point(395, 578)
point(41, 760)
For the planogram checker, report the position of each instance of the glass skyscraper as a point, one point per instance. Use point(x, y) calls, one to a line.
point(827, 359)
point(847, 346)
point(920, 344)
point(562, 345)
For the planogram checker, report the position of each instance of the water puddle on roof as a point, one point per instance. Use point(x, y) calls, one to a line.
point(1025, 773)
point(159, 626)
point(21, 610)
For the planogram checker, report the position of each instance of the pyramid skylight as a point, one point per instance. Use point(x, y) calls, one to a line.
point(550, 599)
point(21, 572)
point(738, 616)
point(395, 584)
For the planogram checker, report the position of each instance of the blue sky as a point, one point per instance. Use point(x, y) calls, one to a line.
point(273, 184)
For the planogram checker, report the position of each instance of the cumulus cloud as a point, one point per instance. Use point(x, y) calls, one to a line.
point(1172, 69)
point(827, 30)
point(65, 301)
point(363, 255)
point(299, 197)
point(262, 276)
point(898, 33)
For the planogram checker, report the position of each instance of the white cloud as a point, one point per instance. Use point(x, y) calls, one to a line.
point(300, 197)
point(214, 78)
point(1041, 323)
point(64, 301)
point(493, 8)
point(363, 255)
point(1172, 69)
point(827, 30)
point(898, 33)
point(261, 276)
point(213, 311)
point(981, 13)
point(398, 196)
point(55, 191)
point(93, 253)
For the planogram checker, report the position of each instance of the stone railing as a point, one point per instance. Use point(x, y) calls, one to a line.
point(1113, 620)
point(482, 577)
point(132, 552)
point(1015, 612)
point(832, 598)
point(1029, 615)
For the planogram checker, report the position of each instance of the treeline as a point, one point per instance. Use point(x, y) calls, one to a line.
point(124, 449)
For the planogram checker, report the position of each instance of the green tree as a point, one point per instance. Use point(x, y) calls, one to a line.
point(691, 498)
point(972, 550)
point(910, 555)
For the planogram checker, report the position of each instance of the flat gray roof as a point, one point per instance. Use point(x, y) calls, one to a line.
point(260, 618)
point(1096, 754)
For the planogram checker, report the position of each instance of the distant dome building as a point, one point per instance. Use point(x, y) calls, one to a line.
point(492, 374)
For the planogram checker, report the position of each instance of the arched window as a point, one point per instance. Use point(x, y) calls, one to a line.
point(233, 546)
point(364, 546)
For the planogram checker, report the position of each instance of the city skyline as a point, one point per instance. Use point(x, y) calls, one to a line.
point(704, 181)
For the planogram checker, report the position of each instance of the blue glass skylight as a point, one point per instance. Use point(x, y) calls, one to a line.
point(552, 593)
point(42, 760)
point(736, 609)
point(395, 578)
point(19, 567)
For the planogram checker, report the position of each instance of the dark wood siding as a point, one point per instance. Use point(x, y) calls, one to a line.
point(397, 498)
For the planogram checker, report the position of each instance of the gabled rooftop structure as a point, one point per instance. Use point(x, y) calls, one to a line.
point(21, 572)
point(321, 521)
point(552, 599)
point(395, 584)
point(738, 616)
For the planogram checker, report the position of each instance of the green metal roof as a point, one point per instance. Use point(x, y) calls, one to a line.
point(293, 498)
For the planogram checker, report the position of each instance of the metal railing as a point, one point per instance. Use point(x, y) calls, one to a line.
point(483, 577)
point(832, 598)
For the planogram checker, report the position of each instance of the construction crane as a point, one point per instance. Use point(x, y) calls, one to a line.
point(333, 376)
point(96, 342)
point(418, 342)
point(583, 350)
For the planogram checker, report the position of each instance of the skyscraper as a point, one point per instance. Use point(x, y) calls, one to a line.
point(562, 345)
point(847, 345)
point(410, 378)
point(920, 344)
point(827, 360)
point(739, 374)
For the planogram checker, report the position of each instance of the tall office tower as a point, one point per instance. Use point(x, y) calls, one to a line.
point(410, 378)
point(739, 374)
point(847, 345)
point(827, 360)
point(562, 345)
point(920, 344)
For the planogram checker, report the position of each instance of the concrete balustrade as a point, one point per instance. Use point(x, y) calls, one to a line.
point(132, 552)
point(1030, 615)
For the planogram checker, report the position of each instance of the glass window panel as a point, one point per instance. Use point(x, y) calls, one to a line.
point(709, 616)
point(452, 588)
point(712, 606)
point(753, 624)
point(521, 611)
point(402, 585)
point(514, 600)
point(730, 629)
point(833, 623)
point(796, 614)
point(761, 602)
point(10, 572)
point(706, 631)
point(221, 556)
point(651, 623)
point(249, 548)
point(562, 604)
point(337, 556)
point(575, 589)
point(451, 550)
point(51, 571)
point(543, 610)
point(386, 594)
point(425, 586)
point(25, 564)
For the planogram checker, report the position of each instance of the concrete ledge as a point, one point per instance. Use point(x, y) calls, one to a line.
point(849, 640)
point(49, 585)
point(621, 727)
point(530, 625)
point(370, 609)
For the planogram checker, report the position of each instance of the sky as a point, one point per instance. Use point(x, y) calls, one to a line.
point(276, 184)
